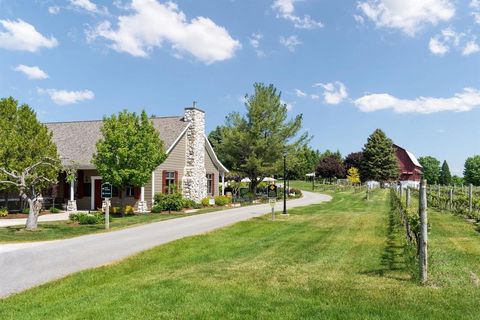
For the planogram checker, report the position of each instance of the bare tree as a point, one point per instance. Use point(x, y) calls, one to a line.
point(29, 182)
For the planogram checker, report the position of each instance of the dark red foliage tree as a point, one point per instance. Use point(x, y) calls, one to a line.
point(353, 160)
point(330, 167)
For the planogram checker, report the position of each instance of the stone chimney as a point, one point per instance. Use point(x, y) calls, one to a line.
point(194, 178)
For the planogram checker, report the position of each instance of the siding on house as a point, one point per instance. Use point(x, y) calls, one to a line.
point(174, 162)
point(210, 167)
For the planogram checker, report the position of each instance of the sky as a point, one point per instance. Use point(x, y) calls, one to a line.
point(409, 67)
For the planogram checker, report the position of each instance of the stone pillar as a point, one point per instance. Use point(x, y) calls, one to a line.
point(72, 203)
point(223, 183)
point(142, 204)
point(194, 179)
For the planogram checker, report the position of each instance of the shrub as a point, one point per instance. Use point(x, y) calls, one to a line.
point(188, 203)
point(296, 192)
point(129, 210)
point(156, 209)
point(3, 212)
point(206, 202)
point(222, 200)
point(169, 202)
point(87, 218)
point(115, 210)
point(54, 210)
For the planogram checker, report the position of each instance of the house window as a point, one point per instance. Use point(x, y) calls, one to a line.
point(170, 182)
point(210, 184)
point(129, 191)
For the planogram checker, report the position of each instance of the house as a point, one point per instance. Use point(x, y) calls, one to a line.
point(191, 165)
point(410, 168)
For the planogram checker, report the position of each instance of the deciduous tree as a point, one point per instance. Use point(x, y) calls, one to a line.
point(379, 162)
point(471, 171)
point(353, 175)
point(330, 167)
point(129, 150)
point(431, 169)
point(354, 159)
point(29, 161)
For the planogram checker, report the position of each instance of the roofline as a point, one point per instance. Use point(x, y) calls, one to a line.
point(215, 155)
point(101, 120)
point(178, 138)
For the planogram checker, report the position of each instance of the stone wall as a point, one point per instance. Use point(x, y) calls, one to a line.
point(194, 179)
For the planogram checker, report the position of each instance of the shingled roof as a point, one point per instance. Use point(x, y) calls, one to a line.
point(76, 141)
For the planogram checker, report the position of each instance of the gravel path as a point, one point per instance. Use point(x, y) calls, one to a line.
point(30, 264)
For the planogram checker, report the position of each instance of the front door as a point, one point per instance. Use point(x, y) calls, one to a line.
point(98, 194)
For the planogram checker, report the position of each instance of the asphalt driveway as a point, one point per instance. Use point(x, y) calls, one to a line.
point(27, 265)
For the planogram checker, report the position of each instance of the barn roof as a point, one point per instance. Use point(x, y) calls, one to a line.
point(411, 156)
point(77, 140)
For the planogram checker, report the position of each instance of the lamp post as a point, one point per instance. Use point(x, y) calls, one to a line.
point(284, 183)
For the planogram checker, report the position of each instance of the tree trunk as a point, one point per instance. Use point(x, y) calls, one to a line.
point(35, 205)
point(122, 208)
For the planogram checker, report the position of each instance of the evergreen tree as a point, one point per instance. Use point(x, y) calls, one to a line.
point(431, 169)
point(445, 175)
point(379, 162)
point(254, 143)
point(129, 150)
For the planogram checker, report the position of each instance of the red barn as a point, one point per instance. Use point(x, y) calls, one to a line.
point(410, 168)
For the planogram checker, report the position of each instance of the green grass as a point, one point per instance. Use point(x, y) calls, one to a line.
point(338, 260)
point(66, 229)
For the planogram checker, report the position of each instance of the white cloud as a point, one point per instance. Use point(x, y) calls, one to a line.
point(85, 4)
point(334, 92)
point(441, 43)
point(255, 43)
point(315, 96)
point(20, 35)
point(475, 5)
point(286, 10)
point(151, 24)
point(466, 100)
point(359, 19)
point(54, 9)
point(299, 93)
point(63, 97)
point(290, 42)
point(407, 15)
point(470, 48)
point(31, 72)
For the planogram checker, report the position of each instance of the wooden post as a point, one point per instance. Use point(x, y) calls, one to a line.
point(401, 192)
point(107, 213)
point(450, 199)
point(407, 202)
point(423, 231)
point(470, 198)
point(368, 192)
point(313, 183)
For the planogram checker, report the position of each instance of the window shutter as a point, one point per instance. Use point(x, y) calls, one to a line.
point(164, 181)
point(80, 184)
point(176, 181)
point(213, 184)
point(136, 193)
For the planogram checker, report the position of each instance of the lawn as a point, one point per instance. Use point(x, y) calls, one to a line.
point(66, 229)
point(338, 260)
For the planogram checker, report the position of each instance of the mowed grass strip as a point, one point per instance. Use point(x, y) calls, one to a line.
point(66, 229)
point(336, 260)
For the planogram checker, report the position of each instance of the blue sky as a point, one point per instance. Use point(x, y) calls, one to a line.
point(410, 67)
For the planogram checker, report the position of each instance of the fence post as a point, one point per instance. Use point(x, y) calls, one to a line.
point(368, 192)
point(423, 231)
point(407, 202)
point(401, 192)
point(313, 183)
point(470, 198)
point(450, 199)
